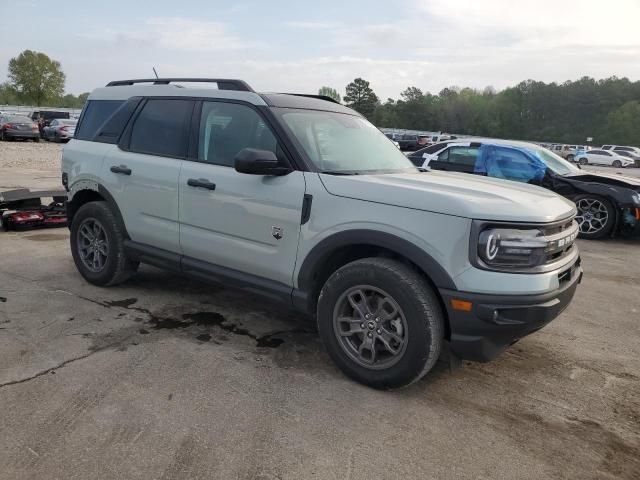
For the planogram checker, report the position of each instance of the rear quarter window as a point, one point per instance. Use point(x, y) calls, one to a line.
point(95, 113)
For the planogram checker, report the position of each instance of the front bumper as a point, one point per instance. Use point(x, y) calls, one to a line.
point(494, 322)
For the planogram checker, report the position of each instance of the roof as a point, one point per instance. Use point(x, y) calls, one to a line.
point(124, 92)
point(497, 141)
point(229, 89)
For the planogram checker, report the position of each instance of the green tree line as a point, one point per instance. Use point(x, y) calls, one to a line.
point(36, 79)
point(607, 110)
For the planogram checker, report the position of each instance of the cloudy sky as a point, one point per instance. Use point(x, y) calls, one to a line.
point(299, 46)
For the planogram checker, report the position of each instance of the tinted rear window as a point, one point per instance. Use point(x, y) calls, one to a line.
point(95, 113)
point(19, 119)
point(161, 128)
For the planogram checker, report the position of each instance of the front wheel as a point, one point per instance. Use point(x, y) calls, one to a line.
point(97, 246)
point(596, 216)
point(380, 322)
point(570, 158)
point(583, 161)
point(617, 163)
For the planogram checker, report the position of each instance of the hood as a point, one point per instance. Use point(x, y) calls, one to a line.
point(459, 194)
point(607, 179)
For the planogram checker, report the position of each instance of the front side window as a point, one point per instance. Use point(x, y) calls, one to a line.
point(228, 128)
point(161, 128)
point(511, 164)
point(343, 143)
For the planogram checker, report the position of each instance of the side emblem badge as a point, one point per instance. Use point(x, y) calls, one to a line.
point(276, 232)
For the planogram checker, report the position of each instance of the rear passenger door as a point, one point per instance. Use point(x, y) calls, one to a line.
point(238, 222)
point(142, 171)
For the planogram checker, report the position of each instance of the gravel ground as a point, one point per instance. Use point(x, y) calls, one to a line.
point(30, 155)
point(165, 377)
point(30, 165)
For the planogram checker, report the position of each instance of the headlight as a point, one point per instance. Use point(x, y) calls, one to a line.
point(635, 197)
point(521, 249)
point(499, 247)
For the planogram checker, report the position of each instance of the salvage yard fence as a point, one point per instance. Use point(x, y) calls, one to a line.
point(27, 110)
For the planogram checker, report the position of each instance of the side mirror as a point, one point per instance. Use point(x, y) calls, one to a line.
point(259, 162)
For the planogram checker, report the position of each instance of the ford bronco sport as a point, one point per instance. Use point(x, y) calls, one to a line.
point(301, 199)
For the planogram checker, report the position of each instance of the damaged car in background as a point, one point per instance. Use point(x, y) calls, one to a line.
point(607, 204)
point(23, 209)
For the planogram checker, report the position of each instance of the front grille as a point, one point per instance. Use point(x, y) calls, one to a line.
point(561, 240)
point(557, 228)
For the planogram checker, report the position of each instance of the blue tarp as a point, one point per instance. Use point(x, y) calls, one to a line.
point(512, 163)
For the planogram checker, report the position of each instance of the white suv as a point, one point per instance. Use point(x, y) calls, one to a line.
point(301, 199)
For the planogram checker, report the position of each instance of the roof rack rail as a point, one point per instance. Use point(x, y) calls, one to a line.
point(319, 97)
point(223, 83)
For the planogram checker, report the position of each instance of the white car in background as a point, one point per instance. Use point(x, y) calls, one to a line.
point(622, 148)
point(604, 157)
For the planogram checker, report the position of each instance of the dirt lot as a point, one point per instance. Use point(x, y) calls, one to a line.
point(165, 377)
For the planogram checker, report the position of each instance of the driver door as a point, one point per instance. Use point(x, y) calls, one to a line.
point(240, 222)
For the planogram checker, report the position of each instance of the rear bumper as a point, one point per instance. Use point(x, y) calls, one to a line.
point(497, 321)
point(21, 134)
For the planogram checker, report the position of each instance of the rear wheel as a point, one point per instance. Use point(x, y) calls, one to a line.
point(97, 246)
point(596, 216)
point(381, 322)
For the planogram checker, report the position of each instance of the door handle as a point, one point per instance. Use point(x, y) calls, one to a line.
point(201, 183)
point(121, 169)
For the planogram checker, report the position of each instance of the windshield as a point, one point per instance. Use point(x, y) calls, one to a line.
point(556, 163)
point(342, 143)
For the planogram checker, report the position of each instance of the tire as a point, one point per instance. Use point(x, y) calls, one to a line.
point(583, 161)
point(36, 140)
point(617, 163)
point(418, 321)
point(591, 210)
point(570, 158)
point(115, 267)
